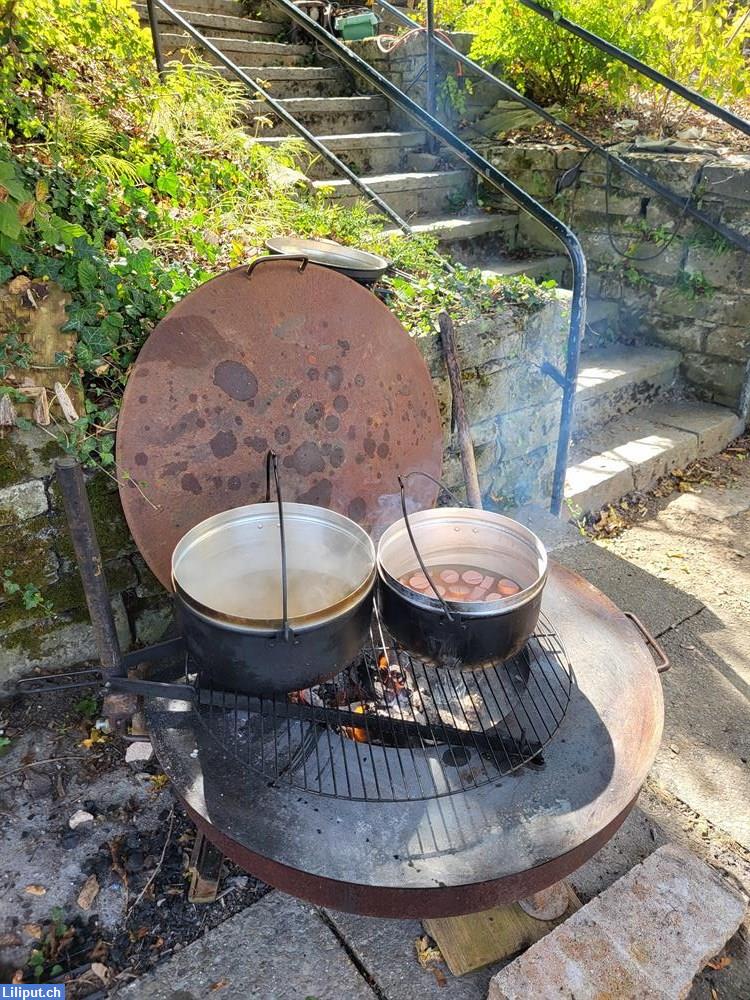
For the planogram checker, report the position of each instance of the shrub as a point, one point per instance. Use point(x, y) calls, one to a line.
point(546, 63)
point(698, 42)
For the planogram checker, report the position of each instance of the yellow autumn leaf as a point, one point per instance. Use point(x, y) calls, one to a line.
point(95, 736)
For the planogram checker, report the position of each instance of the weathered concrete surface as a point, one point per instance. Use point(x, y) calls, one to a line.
point(386, 950)
point(705, 751)
point(644, 938)
point(278, 949)
point(658, 603)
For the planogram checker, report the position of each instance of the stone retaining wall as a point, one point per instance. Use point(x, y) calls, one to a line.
point(691, 292)
point(507, 398)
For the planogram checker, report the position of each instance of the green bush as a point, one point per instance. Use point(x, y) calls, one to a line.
point(698, 42)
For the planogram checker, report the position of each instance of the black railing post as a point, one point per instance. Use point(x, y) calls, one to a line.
point(154, 25)
point(431, 82)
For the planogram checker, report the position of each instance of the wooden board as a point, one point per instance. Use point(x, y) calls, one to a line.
point(478, 939)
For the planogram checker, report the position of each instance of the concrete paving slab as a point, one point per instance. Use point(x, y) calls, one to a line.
point(705, 752)
point(555, 532)
point(658, 604)
point(714, 503)
point(385, 948)
point(645, 938)
point(278, 949)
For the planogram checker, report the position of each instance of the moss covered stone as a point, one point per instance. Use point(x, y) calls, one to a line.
point(15, 461)
point(109, 521)
point(27, 549)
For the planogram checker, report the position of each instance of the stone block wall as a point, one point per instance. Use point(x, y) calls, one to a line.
point(513, 409)
point(507, 399)
point(35, 549)
point(690, 291)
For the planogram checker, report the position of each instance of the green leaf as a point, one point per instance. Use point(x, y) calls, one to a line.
point(10, 224)
point(168, 183)
point(88, 276)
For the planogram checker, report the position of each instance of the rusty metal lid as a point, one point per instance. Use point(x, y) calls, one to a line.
point(304, 361)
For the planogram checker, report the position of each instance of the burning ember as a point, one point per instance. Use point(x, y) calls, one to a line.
point(396, 686)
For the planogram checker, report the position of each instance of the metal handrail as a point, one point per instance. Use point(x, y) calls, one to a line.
point(278, 108)
point(685, 205)
point(492, 175)
point(741, 124)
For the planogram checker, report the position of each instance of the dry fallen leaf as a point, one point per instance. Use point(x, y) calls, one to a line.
point(33, 930)
point(427, 951)
point(219, 985)
point(35, 890)
point(717, 964)
point(101, 972)
point(88, 893)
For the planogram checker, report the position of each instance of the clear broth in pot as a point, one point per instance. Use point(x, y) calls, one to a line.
point(461, 583)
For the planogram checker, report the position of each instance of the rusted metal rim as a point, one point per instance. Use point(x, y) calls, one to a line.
point(398, 902)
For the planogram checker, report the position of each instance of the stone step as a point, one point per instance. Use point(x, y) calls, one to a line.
point(617, 379)
point(233, 8)
point(244, 52)
point(214, 25)
point(364, 152)
point(328, 115)
point(295, 81)
point(634, 451)
point(412, 195)
point(550, 267)
point(471, 237)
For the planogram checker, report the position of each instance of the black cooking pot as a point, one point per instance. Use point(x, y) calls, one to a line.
point(274, 597)
point(465, 635)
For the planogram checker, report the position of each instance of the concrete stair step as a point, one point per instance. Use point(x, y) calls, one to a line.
point(295, 81)
point(214, 25)
point(233, 8)
point(244, 52)
point(412, 195)
point(328, 115)
point(634, 451)
point(470, 237)
point(364, 152)
point(551, 266)
point(617, 379)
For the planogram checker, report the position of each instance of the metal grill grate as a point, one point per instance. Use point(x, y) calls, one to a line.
point(391, 729)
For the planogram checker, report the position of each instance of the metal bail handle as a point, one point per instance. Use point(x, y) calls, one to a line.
point(452, 495)
point(272, 463)
point(304, 261)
